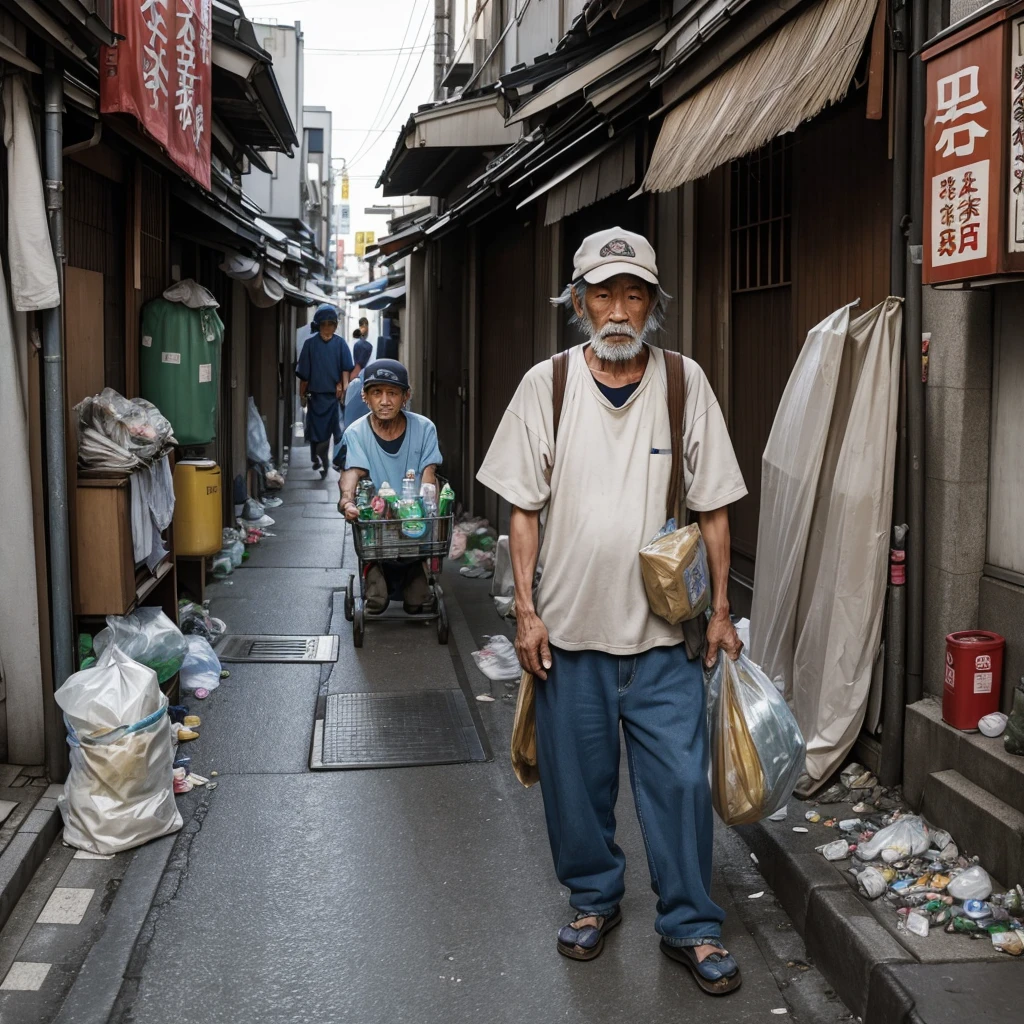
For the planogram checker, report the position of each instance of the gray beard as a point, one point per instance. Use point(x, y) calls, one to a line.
point(616, 351)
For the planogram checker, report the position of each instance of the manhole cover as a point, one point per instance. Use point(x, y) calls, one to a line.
point(392, 730)
point(249, 647)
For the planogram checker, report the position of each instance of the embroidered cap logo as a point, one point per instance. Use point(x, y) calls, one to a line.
point(618, 247)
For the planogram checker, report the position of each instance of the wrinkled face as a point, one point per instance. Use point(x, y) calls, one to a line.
point(615, 310)
point(327, 329)
point(385, 400)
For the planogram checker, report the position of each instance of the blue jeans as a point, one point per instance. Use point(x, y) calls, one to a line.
point(659, 698)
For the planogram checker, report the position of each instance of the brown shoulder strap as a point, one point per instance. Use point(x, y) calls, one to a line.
point(675, 375)
point(560, 374)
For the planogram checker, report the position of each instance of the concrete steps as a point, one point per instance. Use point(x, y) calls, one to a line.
point(982, 823)
point(970, 786)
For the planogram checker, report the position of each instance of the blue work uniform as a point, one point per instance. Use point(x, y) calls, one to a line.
point(322, 364)
point(418, 450)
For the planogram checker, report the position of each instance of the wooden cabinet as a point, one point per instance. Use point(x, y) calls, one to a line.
point(106, 581)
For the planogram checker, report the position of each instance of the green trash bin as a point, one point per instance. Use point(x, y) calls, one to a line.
point(179, 366)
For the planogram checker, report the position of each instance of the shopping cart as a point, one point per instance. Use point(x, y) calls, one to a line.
point(386, 540)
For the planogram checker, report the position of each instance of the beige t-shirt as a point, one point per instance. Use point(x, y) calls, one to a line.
point(604, 491)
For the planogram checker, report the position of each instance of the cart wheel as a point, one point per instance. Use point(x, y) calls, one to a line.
point(358, 626)
point(349, 603)
point(442, 621)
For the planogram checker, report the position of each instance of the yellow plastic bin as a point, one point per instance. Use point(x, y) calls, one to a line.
point(197, 507)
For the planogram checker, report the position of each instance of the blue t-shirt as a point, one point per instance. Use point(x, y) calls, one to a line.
point(355, 407)
point(419, 450)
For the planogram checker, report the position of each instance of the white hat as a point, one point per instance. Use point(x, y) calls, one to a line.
point(615, 251)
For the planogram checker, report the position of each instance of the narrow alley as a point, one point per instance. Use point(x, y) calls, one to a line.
point(394, 894)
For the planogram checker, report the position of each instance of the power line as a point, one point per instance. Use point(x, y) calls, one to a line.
point(375, 122)
point(393, 51)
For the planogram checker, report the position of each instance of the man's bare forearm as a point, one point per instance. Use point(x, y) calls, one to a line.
point(524, 548)
point(714, 528)
point(349, 480)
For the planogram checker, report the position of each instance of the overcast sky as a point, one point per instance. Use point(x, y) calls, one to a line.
point(353, 68)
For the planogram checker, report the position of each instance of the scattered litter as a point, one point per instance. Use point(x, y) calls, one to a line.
point(497, 659)
point(917, 924)
point(993, 725)
point(799, 828)
point(225, 674)
point(780, 814)
point(872, 883)
point(485, 698)
point(972, 884)
point(214, 775)
point(856, 776)
point(1011, 942)
point(813, 817)
point(781, 1010)
point(753, 857)
point(756, 895)
point(850, 824)
point(839, 849)
point(905, 837)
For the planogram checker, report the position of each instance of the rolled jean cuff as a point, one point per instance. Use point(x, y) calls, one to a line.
point(707, 940)
point(595, 910)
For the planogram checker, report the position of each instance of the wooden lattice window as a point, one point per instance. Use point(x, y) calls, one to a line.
point(761, 206)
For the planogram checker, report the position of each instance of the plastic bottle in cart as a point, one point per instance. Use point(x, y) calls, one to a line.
point(428, 495)
point(387, 492)
point(409, 484)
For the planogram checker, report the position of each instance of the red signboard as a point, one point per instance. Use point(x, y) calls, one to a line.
point(974, 151)
point(161, 74)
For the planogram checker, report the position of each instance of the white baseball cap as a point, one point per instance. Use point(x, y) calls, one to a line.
point(615, 251)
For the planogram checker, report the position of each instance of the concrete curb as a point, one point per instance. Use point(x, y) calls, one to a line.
point(92, 996)
point(26, 850)
point(849, 947)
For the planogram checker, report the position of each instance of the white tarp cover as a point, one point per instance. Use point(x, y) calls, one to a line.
point(794, 74)
point(823, 537)
point(33, 268)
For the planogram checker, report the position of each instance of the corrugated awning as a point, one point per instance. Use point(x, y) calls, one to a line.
point(385, 299)
point(602, 172)
point(794, 74)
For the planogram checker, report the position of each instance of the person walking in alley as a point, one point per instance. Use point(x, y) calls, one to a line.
point(354, 407)
point(383, 446)
point(323, 369)
point(587, 437)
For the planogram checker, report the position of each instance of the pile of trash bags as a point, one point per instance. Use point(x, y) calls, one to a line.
point(757, 750)
point(117, 433)
point(119, 793)
point(148, 637)
point(474, 542)
point(497, 659)
point(921, 873)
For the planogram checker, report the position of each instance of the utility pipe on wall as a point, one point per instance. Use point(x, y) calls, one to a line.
point(62, 632)
point(912, 335)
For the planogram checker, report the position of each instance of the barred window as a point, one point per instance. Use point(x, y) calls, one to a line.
point(761, 205)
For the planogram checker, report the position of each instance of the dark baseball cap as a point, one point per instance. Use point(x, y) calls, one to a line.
point(386, 371)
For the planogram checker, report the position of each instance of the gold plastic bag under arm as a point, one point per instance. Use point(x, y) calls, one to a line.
point(675, 575)
point(737, 778)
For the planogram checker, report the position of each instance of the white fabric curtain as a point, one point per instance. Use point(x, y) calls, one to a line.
point(34, 282)
point(823, 537)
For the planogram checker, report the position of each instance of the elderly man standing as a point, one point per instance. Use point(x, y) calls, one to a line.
point(600, 656)
point(323, 368)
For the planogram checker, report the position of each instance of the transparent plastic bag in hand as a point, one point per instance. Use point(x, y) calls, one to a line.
point(757, 750)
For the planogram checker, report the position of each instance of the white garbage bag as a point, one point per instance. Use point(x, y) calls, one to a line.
point(823, 535)
point(201, 669)
point(257, 447)
point(120, 791)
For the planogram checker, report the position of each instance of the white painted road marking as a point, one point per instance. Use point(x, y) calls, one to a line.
point(25, 977)
point(66, 906)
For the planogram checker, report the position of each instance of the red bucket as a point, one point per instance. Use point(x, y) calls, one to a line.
point(974, 677)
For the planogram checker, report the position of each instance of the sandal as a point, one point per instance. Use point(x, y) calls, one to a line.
point(586, 942)
point(718, 974)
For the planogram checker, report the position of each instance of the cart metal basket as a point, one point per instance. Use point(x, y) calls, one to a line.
point(388, 540)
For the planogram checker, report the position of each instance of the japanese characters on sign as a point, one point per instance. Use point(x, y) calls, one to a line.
point(963, 158)
point(1015, 238)
point(161, 74)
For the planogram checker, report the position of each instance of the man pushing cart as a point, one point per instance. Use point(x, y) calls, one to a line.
point(386, 446)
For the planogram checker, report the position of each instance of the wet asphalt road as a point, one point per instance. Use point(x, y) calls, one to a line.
point(400, 895)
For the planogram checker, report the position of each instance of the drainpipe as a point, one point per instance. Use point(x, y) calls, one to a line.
point(58, 532)
point(912, 336)
point(890, 768)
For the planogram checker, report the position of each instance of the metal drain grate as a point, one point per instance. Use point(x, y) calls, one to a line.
point(392, 730)
point(249, 647)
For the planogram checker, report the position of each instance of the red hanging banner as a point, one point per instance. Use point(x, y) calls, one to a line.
point(161, 74)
